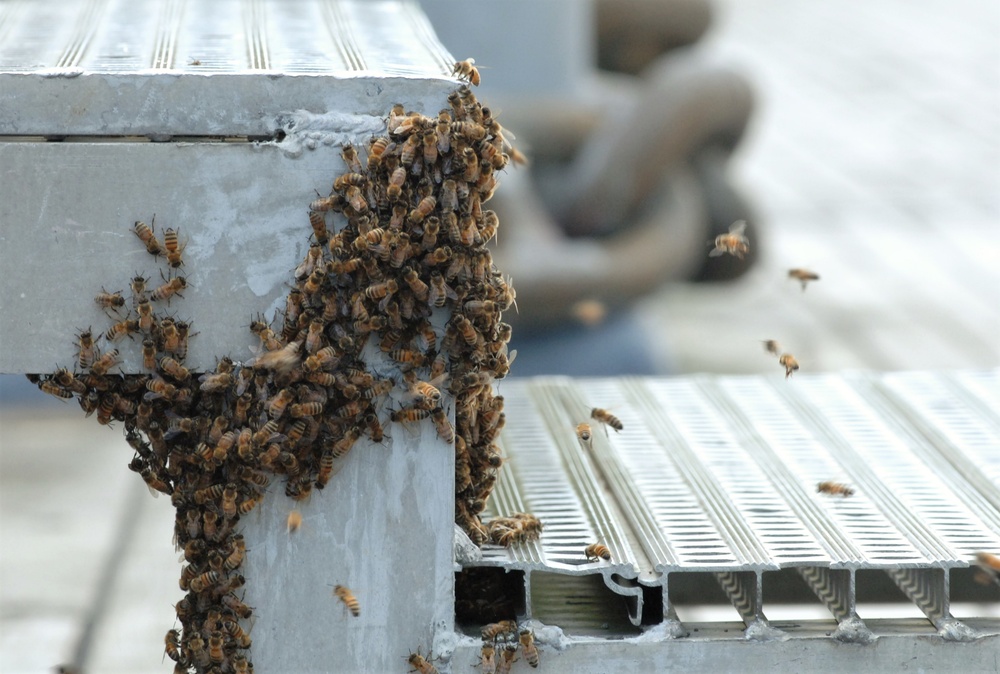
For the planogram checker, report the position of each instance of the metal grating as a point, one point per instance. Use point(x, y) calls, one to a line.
point(719, 474)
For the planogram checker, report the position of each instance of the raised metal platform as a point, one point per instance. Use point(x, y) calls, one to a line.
point(719, 475)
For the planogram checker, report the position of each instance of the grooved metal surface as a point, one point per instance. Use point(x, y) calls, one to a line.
point(719, 474)
point(180, 67)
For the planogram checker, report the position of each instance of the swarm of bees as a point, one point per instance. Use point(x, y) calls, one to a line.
point(399, 243)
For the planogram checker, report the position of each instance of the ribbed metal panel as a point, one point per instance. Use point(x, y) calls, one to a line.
point(181, 67)
point(719, 474)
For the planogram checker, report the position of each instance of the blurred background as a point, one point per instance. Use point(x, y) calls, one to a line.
point(871, 155)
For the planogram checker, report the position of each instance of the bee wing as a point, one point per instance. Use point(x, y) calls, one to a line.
point(738, 227)
point(716, 252)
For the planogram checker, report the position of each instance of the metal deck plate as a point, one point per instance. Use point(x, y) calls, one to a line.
point(180, 67)
point(719, 474)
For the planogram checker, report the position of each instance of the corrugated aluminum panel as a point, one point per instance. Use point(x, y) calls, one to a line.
point(181, 67)
point(719, 474)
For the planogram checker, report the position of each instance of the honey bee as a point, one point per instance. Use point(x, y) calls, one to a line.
point(607, 418)
point(54, 389)
point(318, 222)
point(169, 289)
point(597, 551)
point(788, 361)
point(87, 349)
point(409, 415)
point(107, 300)
point(527, 639)
point(121, 329)
point(173, 248)
point(487, 659)
point(172, 642)
point(145, 234)
point(507, 657)
point(771, 346)
point(988, 570)
point(375, 151)
point(155, 484)
point(834, 489)
point(585, 436)
point(294, 521)
point(229, 500)
point(305, 410)
point(381, 290)
point(333, 202)
point(350, 156)
point(493, 630)
point(174, 369)
point(394, 189)
point(803, 276)
point(466, 70)
point(443, 426)
point(417, 286)
point(350, 601)
point(206, 494)
point(422, 210)
point(734, 243)
point(146, 319)
point(281, 361)
point(215, 648)
point(420, 664)
point(276, 406)
point(214, 383)
point(100, 367)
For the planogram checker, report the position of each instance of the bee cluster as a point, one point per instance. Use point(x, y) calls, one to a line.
point(406, 250)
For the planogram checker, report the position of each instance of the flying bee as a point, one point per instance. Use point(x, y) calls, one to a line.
point(100, 367)
point(584, 436)
point(771, 346)
point(734, 243)
point(466, 70)
point(607, 418)
point(173, 248)
point(834, 489)
point(121, 329)
point(527, 639)
point(281, 361)
point(803, 276)
point(87, 349)
point(597, 551)
point(215, 382)
point(106, 300)
point(988, 570)
point(350, 601)
point(145, 234)
point(788, 361)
